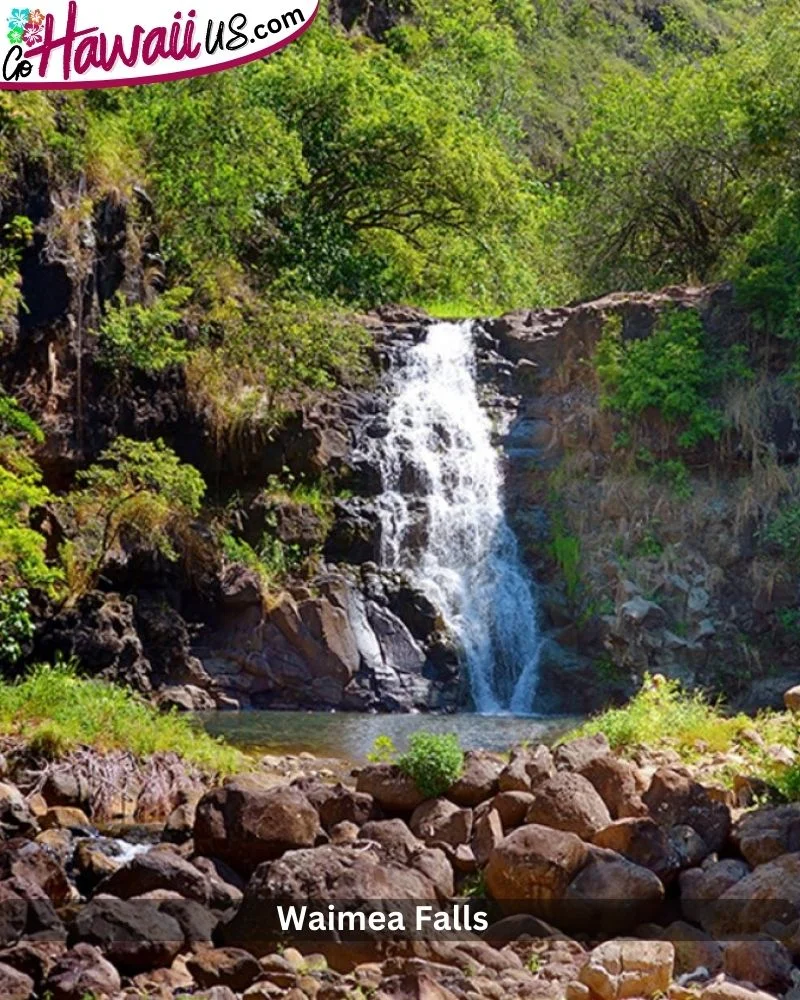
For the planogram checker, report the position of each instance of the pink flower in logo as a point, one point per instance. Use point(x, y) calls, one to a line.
point(33, 34)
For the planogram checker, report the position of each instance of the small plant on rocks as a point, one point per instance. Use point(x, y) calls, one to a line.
point(434, 760)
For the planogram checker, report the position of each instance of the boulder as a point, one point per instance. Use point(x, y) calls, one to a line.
point(82, 972)
point(340, 804)
point(611, 892)
point(327, 874)
point(723, 989)
point(185, 698)
point(525, 769)
point(478, 781)
point(158, 868)
point(642, 841)
point(569, 802)
point(231, 967)
point(16, 819)
point(133, 934)
point(29, 863)
point(393, 790)
point(512, 807)
point(627, 968)
point(14, 985)
point(487, 832)
point(441, 820)
point(766, 834)
point(770, 892)
point(244, 823)
point(66, 818)
point(576, 755)
point(701, 886)
point(694, 948)
point(615, 782)
point(532, 866)
point(791, 699)
point(64, 786)
point(763, 962)
point(673, 798)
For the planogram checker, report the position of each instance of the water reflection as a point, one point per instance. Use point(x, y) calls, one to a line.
point(350, 735)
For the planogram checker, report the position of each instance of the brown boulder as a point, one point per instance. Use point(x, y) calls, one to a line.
point(323, 875)
point(441, 820)
point(642, 841)
point(791, 699)
point(723, 989)
point(525, 769)
point(576, 755)
point(766, 834)
point(532, 867)
point(611, 892)
point(231, 967)
point(390, 788)
point(675, 799)
point(615, 782)
point(14, 985)
point(340, 804)
point(159, 868)
point(568, 802)
point(16, 818)
point(478, 781)
point(763, 962)
point(701, 886)
point(65, 818)
point(770, 892)
point(29, 863)
point(619, 969)
point(244, 823)
point(487, 832)
point(82, 972)
point(693, 948)
point(512, 808)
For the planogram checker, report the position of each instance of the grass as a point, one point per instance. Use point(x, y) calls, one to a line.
point(663, 715)
point(54, 710)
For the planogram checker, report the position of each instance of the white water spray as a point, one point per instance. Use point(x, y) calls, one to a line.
point(444, 522)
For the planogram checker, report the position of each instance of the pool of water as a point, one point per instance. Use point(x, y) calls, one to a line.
point(350, 735)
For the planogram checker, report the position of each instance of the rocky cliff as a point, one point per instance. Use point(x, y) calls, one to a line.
point(681, 582)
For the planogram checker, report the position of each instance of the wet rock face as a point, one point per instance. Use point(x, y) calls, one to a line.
point(353, 639)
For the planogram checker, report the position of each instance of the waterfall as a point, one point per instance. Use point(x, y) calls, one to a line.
point(444, 523)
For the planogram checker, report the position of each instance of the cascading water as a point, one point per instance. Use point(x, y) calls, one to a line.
point(444, 522)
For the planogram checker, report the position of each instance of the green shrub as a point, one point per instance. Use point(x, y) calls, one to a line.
point(133, 335)
point(16, 625)
point(788, 783)
point(383, 750)
point(670, 372)
point(137, 489)
point(435, 761)
point(784, 532)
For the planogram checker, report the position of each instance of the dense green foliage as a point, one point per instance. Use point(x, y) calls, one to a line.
point(434, 760)
point(137, 489)
point(53, 707)
point(671, 373)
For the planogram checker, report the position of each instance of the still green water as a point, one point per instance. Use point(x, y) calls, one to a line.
point(350, 735)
